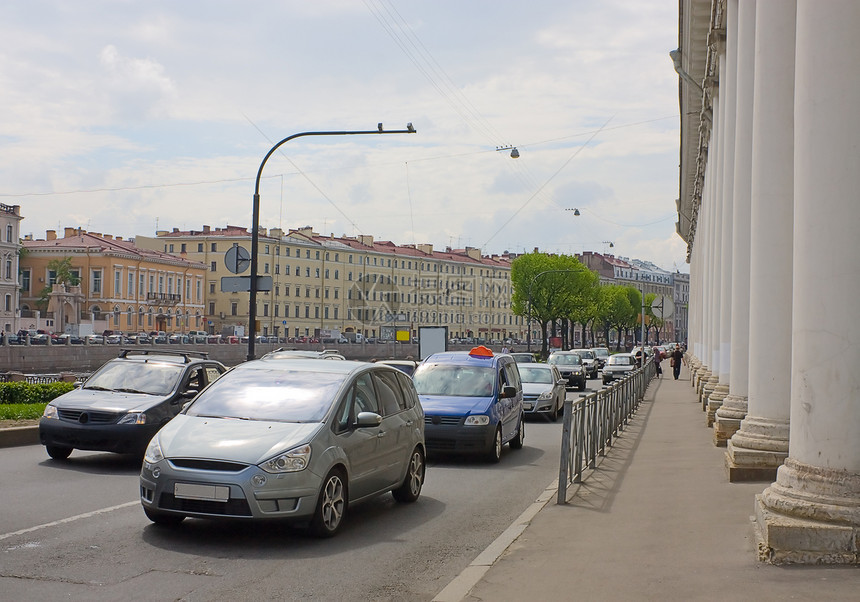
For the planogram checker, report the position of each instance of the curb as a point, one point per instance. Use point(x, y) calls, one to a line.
point(19, 435)
point(459, 588)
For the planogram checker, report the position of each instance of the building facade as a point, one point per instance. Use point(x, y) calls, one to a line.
point(351, 285)
point(10, 220)
point(124, 288)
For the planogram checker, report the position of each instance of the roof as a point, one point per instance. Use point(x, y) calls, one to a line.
point(85, 242)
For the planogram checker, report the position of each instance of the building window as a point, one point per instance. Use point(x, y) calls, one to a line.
point(200, 247)
point(213, 266)
point(8, 232)
point(170, 248)
point(307, 311)
point(214, 247)
point(265, 268)
point(117, 284)
point(25, 281)
point(234, 309)
point(211, 308)
point(96, 281)
point(211, 288)
point(182, 248)
point(265, 309)
point(8, 303)
point(307, 272)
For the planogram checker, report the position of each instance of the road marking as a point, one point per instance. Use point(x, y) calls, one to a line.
point(69, 519)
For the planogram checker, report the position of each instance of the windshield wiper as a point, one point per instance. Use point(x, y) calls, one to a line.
point(96, 388)
point(129, 390)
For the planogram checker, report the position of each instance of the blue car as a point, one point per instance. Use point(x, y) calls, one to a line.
point(473, 402)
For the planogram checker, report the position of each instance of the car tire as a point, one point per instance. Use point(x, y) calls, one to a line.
point(518, 441)
point(494, 454)
point(410, 489)
point(58, 452)
point(331, 505)
point(162, 519)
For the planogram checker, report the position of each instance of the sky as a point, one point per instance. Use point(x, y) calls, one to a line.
point(127, 117)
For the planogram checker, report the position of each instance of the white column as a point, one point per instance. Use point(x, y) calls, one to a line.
point(761, 444)
point(711, 301)
point(727, 418)
point(728, 91)
point(811, 513)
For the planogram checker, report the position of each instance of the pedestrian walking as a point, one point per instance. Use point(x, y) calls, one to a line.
point(657, 358)
point(677, 358)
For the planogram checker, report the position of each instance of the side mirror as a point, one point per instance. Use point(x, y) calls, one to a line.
point(365, 419)
point(509, 391)
point(561, 381)
point(189, 394)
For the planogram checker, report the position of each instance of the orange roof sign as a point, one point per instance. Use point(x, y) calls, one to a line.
point(481, 351)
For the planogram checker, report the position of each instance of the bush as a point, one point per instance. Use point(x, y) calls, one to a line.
point(25, 393)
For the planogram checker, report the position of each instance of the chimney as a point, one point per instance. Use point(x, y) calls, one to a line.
point(205, 229)
point(161, 232)
point(428, 249)
point(51, 235)
point(69, 232)
point(176, 229)
point(366, 239)
point(473, 252)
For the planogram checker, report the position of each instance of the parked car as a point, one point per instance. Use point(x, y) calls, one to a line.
point(523, 357)
point(306, 442)
point(618, 366)
point(68, 339)
point(589, 360)
point(95, 339)
point(473, 402)
point(570, 366)
point(179, 339)
point(543, 389)
point(124, 403)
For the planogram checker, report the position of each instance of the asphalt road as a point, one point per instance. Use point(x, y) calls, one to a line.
point(75, 530)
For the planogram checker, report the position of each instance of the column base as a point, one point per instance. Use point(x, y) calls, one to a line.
point(715, 400)
point(708, 387)
point(757, 450)
point(810, 515)
point(727, 419)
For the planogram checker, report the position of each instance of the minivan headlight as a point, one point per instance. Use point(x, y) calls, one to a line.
point(477, 420)
point(292, 461)
point(153, 451)
point(50, 412)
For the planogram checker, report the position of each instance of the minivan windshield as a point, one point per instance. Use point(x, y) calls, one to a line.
point(269, 395)
point(455, 381)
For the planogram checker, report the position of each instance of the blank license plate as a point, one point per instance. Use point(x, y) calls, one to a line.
point(192, 491)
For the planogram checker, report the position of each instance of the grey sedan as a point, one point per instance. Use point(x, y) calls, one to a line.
point(294, 439)
point(543, 390)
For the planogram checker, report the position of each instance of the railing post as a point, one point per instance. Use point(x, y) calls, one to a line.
point(564, 467)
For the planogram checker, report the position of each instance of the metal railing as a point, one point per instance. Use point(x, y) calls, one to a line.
point(593, 421)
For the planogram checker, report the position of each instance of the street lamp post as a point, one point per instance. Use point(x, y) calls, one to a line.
point(252, 309)
point(529, 300)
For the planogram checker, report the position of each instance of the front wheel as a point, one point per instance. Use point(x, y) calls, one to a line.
point(494, 455)
point(58, 452)
point(518, 441)
point(331, 505)
point(410, 489)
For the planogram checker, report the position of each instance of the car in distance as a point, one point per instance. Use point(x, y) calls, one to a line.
point(325, 354)
point(473, 402)
point(306, 440)
point(124, 403)
point(589, 360)
point(406, 366)
point(522, 357)
point(618, 366)
point(543, 390)
point(601, 354)
point(570, 366)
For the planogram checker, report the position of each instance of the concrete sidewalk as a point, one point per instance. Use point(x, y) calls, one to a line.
point(657, 520)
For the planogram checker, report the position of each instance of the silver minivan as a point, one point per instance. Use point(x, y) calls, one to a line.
point(292, 439)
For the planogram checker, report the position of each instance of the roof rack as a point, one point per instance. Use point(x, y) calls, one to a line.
point(186, 355)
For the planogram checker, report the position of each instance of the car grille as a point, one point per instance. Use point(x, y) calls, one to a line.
point(232, 507)
point(530, 397)
point(88, 416)
point(446, 420)
point(208, 465)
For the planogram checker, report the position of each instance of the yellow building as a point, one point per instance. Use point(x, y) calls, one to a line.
point(10, 219)
point(326, 284)
point(125, 288)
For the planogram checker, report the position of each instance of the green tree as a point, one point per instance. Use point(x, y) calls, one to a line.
point(545, 287)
